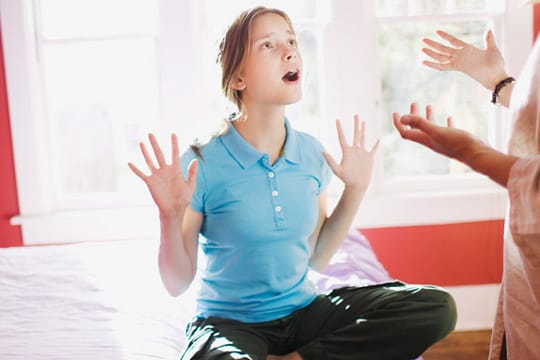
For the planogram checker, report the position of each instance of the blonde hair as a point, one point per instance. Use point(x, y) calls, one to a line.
point(234, 48)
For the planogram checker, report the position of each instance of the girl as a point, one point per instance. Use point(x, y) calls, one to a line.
point(257, 195)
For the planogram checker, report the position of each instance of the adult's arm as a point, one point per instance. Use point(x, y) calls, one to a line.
point(456, 144)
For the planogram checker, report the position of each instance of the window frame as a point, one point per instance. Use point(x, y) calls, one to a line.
point(408, 202)
point(418, 200)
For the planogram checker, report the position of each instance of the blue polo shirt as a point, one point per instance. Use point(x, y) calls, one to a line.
point(257, 218)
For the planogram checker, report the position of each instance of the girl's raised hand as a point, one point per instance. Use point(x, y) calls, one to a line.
point(356, 163)
point(170, 191)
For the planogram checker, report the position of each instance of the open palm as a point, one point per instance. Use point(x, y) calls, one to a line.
point(170, 191)
point(484, 65)
point(356, 163)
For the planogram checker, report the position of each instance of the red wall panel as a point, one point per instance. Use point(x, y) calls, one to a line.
point(9, 235)
point(450, 254)
point(536, 20)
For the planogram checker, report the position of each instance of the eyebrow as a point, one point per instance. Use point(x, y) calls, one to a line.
point(289, 32)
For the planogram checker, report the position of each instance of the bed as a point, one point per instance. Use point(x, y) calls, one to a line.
point(105, 300)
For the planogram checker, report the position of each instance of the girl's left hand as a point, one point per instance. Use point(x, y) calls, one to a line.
point(356, 163)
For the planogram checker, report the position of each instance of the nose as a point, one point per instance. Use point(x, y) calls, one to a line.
point(289, 54)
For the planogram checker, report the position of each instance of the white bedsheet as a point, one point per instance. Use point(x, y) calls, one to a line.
point(88, 301)
point(105, 301)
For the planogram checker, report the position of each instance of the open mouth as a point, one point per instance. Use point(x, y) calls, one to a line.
point(291, 76)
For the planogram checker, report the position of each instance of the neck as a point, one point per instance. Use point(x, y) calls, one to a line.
point(264, 129)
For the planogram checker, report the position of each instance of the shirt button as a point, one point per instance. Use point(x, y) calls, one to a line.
point(274, 193)
point(271, 174)
point(278, 208)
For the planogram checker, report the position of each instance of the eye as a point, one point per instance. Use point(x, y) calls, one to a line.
point(267, 45)
point(293, 42)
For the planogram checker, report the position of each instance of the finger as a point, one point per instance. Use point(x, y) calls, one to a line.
point(438, 46)
point(407, 130)
point(454, 41)
point(414, 109)
point(362, 134)
point(192, 172)
point(147, 158)
point(331, 162)
point(437, 66)
point(157, 150)
point(341, 135)
point(489, 40)
point(418, 123)
point(175, 152)
point(137, 172)
point(395, 116)
point(358, 134)
point(375, 147)
point(442, 58)
point(450, 122)
point(429, 113)
point(400, 127)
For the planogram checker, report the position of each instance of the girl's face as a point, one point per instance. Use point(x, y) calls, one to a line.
point(271, 73)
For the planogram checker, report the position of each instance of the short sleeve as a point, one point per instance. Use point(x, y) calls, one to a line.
point(197, 202)
point(325, 172)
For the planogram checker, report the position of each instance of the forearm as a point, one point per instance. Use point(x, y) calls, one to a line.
point(336, 226)
point(488, 161)
point(176, 266)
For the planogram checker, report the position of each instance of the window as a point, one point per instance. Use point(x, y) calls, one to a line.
point(402, 24)
point(100, 87)
point(379, 44)
point(88, 79)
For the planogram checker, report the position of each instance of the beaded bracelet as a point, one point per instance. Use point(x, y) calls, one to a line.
point(499, 86)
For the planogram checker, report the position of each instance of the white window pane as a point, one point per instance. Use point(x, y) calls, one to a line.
point(94, 18)
point(100, 95)
point(450, 93)
point(306, 114)
point(217, 11)
point(386, 8)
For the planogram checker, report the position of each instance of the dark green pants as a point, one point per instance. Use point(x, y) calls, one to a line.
point(385, 321)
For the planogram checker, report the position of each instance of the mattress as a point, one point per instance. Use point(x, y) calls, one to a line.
point(106, 301)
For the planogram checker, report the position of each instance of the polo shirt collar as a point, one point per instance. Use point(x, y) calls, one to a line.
point(246, 155)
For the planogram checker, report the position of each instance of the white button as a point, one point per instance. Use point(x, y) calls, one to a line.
point(271, 174)
point(274, 193)
point(278, 208)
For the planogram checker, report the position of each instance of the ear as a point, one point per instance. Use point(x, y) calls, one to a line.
point(239, 84)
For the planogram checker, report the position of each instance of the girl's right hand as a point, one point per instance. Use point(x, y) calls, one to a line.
point(170, 191)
